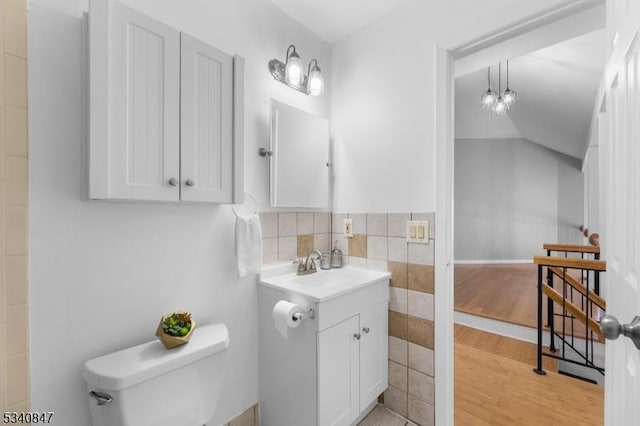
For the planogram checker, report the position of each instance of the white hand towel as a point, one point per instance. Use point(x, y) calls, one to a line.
point(248, 244)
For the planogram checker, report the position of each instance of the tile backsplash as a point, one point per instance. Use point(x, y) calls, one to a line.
point(378, 242)
point(14, 201)
point(287, 235)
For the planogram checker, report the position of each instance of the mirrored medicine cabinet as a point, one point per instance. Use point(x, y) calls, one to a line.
point(299, 158)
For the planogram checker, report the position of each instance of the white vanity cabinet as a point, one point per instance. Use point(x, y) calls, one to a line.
point(165, 111)
point(352, 364)
point(331, 369)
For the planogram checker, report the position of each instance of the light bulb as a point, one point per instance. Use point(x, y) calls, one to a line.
point(293, 70)
point(488, 98)
point(500, 107)
point(315, 85)
point(510, 97)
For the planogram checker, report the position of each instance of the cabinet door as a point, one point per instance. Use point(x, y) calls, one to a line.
point(206, 122)
point(338, 371)
point(373, 352)
point(135, 89)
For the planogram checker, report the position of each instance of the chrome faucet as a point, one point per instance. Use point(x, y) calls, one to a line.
point(309, 264)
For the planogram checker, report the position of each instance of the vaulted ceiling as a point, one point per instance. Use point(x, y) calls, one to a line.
point(557, 89)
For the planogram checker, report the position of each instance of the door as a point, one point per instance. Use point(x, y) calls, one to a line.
point(374, 371)
point(338, 373)
point(206, 122)
point(144, 91)
point(620, 204)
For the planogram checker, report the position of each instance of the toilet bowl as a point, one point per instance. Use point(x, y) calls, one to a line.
point(148, 385)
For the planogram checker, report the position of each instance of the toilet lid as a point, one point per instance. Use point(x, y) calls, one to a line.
point(125, 368)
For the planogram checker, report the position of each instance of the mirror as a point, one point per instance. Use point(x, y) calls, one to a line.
point(299, 158)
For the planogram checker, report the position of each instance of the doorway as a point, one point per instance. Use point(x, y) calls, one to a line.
point(449, 64)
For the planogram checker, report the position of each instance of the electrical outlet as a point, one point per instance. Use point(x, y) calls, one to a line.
point(347, 227)
point(418, 231)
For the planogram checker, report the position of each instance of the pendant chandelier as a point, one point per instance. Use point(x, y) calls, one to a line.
point(498, 103)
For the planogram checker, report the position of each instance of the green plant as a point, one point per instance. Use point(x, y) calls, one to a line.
point(177, 324)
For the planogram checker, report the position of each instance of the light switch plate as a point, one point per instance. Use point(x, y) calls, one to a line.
point(347, 227)
point(418, 231)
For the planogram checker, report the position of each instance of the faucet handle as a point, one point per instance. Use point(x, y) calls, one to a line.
point(301, 267)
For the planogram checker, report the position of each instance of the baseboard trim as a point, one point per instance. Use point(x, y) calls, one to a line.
point(514, 331)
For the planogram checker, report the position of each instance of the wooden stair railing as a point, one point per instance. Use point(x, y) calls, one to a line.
point(558, 266)
point(570, 263)
point(572, 248)
point(584, 250)
point(573, 309)
point(574, 283)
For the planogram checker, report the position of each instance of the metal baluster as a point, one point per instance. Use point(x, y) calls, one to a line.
point(539, 369)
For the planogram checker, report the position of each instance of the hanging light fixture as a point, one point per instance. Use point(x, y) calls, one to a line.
point(292, 74)
point(489, 97)
point(499, 107)
point(510, 96)
point(498, 103)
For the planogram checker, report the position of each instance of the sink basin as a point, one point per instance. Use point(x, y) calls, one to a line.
point(322, 285)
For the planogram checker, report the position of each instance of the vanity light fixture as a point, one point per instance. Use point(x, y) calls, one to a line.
point(291, 73)
point(293, 69)
point(315, 83)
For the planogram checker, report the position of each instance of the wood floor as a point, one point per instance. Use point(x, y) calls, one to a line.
point(505, 347)
point(505, 292)
point(493, 389)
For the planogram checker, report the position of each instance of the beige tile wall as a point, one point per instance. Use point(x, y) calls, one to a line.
point(289, 235)
point(379, 242)
point(14, 250)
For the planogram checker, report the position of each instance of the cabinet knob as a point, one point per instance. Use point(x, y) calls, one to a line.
point(356, 336)
point(173, 182)
point(365, 330)
point(189, 182)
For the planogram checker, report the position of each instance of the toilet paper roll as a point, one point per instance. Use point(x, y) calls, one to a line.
point(283, 316)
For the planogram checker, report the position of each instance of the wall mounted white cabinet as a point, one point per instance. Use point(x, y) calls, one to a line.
point(165, 112)
point(331, 369)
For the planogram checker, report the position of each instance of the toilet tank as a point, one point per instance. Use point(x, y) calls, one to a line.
point(149, 385)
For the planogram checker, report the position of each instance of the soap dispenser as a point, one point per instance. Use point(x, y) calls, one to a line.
point(336, 257)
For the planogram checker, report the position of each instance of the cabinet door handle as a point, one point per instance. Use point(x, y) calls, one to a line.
point(173, 182)
point(356, 336)
point(189, 182)
point(365, 330)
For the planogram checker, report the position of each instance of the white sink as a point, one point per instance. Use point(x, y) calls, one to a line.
point(323, 284)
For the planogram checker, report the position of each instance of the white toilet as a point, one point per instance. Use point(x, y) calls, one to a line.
point(148, 385)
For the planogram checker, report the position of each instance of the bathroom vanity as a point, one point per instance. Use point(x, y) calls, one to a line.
point(331, 368)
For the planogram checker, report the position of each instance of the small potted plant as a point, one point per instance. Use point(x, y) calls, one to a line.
point(175, 329)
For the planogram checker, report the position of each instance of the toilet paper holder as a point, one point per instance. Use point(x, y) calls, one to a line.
point(299, 316)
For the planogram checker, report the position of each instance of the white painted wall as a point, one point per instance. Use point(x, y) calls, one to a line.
point(383, 118)
point(591, 174)
point(102, 273)
point(512, 196)
point(570, 201)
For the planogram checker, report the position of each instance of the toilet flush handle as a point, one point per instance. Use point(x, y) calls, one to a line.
point(101, 397)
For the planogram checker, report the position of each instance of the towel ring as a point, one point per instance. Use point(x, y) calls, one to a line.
point(254, 210)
